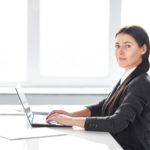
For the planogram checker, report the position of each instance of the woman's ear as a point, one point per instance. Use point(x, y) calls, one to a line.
point(144, 49)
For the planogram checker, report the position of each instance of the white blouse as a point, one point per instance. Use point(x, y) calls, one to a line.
point(126, 74)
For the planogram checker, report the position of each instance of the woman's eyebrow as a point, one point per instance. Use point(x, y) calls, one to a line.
point(127, 42)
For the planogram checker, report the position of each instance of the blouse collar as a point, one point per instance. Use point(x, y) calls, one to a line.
point(126, 74)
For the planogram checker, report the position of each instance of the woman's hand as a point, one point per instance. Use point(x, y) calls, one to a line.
point(65, 119)
point(59, 112)
point(60, 118)
point(76, 118)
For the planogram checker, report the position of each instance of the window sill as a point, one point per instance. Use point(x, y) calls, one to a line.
point(57, 90)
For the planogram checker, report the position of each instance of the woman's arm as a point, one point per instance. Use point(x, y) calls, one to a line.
point(85, 112)
point(76, 118)
point(133, 104)
point(82, 112)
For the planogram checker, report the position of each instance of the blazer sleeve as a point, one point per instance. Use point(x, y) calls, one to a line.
point(132, 105)
point(97, 108)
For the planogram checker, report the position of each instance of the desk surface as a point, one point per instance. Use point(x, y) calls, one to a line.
point(74, 138)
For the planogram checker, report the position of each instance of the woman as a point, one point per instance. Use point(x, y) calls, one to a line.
point(126, 111)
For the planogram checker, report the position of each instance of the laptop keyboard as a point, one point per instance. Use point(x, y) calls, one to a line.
point(42, 119)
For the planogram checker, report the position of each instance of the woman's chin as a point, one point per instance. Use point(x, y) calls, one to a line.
point(122, 65)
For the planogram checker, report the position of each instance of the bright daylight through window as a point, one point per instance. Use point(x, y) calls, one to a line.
point(13, 37)
point(74, 38)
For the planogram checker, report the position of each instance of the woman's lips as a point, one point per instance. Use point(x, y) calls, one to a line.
point(122, 59)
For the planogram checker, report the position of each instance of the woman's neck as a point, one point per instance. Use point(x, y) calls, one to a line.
point(128, 69)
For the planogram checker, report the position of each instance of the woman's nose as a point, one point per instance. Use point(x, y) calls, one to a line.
point(121, 50)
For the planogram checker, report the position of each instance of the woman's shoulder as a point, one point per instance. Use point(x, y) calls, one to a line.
point(141, 82)
point(143, 78)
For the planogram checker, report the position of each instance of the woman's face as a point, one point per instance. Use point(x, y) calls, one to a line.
point(128, 52)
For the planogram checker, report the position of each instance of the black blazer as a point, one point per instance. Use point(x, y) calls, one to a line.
point(130, 122)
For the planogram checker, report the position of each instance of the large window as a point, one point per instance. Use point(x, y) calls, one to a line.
point(74, 37)
point(58, 42)
point(64, 42)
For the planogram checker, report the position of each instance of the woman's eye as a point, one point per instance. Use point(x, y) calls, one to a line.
point(127, 46)
point(117, 46)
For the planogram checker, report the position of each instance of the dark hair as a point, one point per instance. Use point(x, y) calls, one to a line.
point(141, 37)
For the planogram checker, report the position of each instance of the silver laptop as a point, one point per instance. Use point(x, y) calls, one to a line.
point(36, 119)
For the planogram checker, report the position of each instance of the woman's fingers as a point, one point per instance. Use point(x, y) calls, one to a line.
point(53, 112)
point(52, 117)
point(58, 112)
point(60, 118)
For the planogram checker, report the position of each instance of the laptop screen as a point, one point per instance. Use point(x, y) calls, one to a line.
point(24, 103)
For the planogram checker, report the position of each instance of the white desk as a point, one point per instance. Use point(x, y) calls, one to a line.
point(75, 138)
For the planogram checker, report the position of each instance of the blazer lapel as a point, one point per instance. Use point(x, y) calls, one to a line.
point(109, 97)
